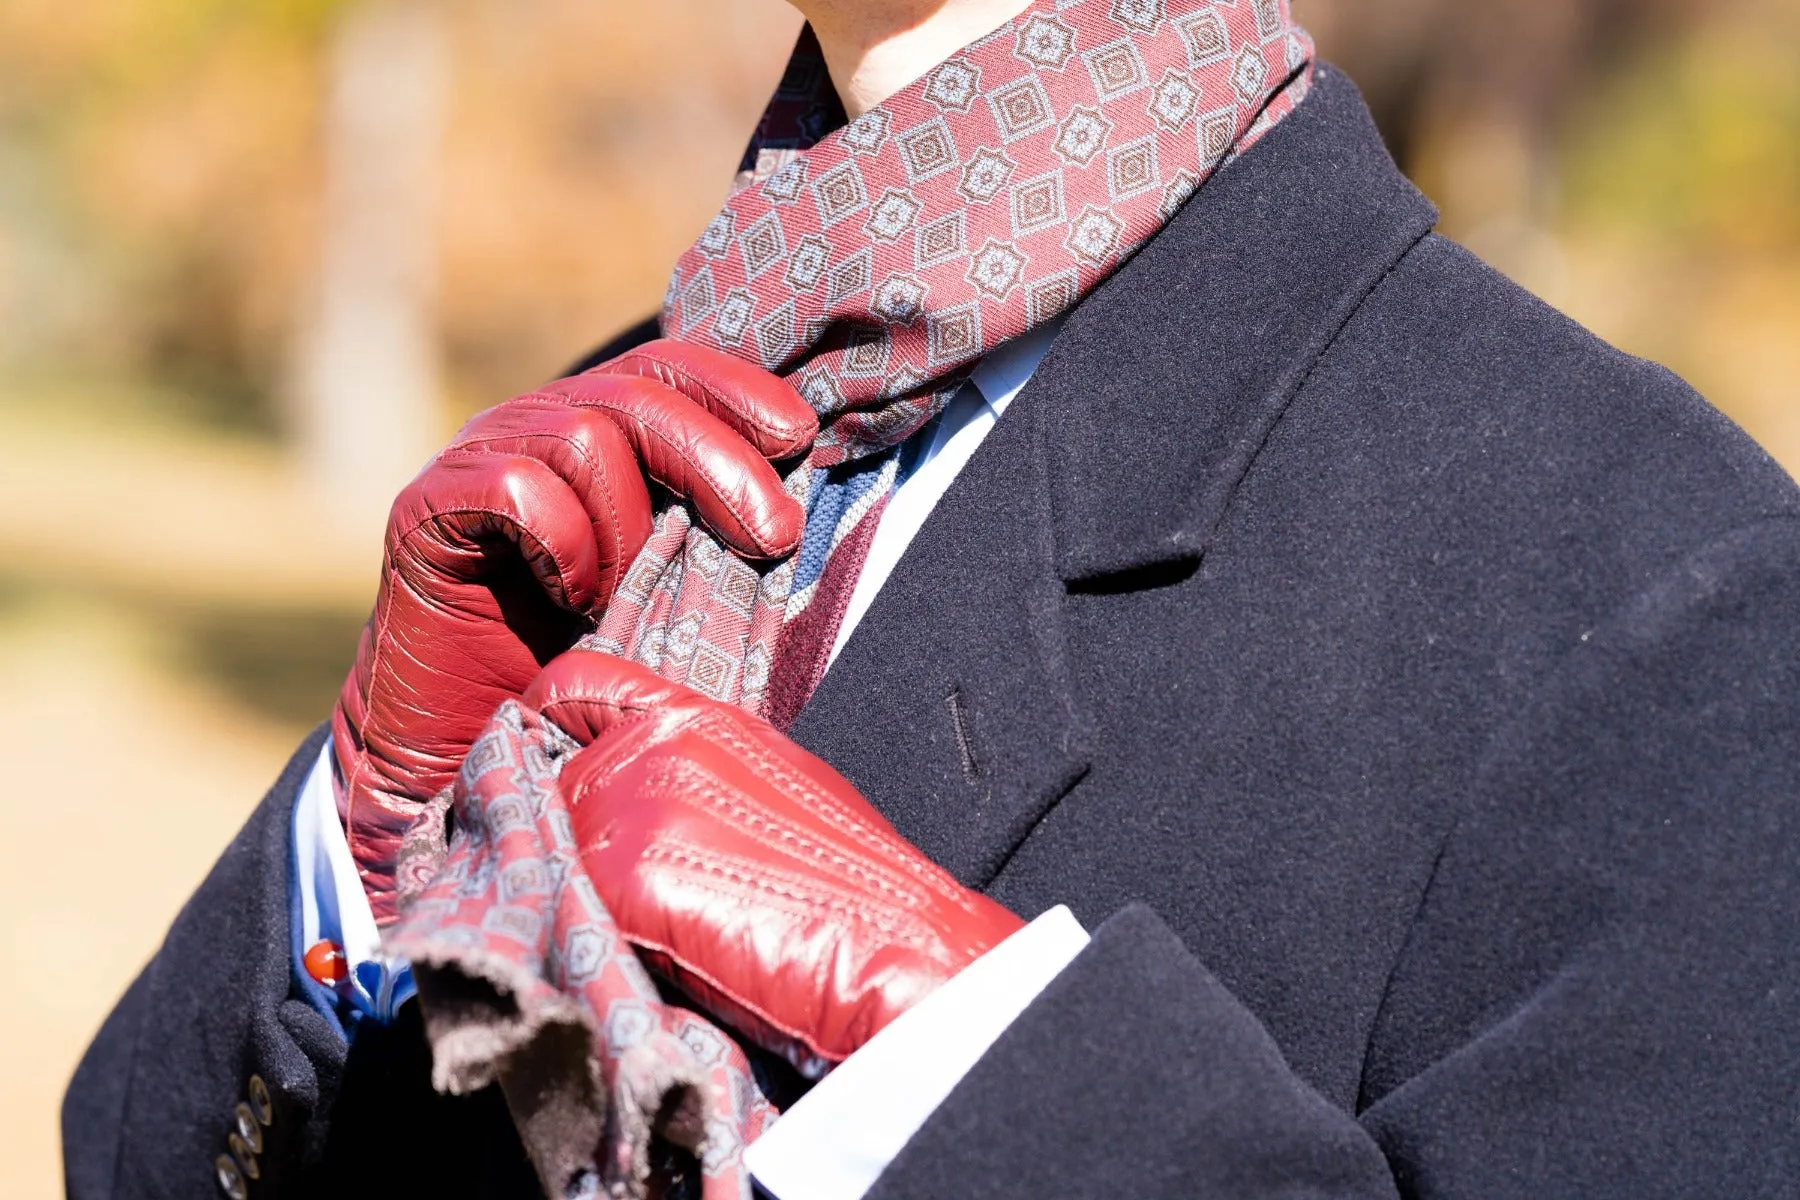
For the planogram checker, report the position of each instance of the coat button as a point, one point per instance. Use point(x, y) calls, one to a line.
point(260, 1102)
point(249, 1130)
point(246, 1158)
point(231, 1180)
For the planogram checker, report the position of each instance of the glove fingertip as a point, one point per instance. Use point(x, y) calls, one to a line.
point(797, 430)
point(762, 408)
point(585, 692)
point(785, 527)
point(768, 531)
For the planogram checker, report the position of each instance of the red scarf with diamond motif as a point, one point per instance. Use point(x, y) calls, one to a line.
point(872, 264)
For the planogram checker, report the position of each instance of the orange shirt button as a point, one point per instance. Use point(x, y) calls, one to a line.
point(325, 963)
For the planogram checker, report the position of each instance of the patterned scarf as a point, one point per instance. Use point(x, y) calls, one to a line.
point(872, 264)
point(525, 981)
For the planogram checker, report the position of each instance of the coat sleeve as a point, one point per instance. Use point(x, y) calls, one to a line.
point(1598, 996)
point(217, 1012)
point(154, 1102)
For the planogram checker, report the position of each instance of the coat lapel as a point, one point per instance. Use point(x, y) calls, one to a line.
point(951, 706)
point(1170, 378)
point(955, 706)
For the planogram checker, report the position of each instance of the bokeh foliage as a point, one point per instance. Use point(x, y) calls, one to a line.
point(1697, 143)
point(160, 174)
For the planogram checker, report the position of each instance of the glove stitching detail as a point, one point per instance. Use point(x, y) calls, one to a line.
point(734, 877)
point(748, 413)
point(524, 531)
point(596, 463)
point(684, 780)
point(619, 414)
point(825, 806)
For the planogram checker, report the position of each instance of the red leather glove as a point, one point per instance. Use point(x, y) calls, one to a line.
point(509, 543)
point(747, 871)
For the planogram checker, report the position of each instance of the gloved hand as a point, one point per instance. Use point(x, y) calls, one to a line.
point(747, 871)
point(509, 543)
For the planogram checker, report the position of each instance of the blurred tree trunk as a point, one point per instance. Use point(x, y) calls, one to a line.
point(1469, 96)
point(1422, 63)
point(366, 385)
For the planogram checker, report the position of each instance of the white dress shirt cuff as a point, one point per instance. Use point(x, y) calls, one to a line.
point(332, 903)
point(844, 1133)
point(334, 907)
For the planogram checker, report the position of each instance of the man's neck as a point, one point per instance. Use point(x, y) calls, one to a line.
point(876, 47)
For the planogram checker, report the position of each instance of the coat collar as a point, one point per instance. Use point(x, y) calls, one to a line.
point(955, 705)
point(1228, 308)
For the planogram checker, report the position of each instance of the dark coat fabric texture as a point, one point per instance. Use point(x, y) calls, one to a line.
point(1401, 684)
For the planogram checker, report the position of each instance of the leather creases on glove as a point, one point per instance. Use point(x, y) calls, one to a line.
point(747, 871)
point(510, 543)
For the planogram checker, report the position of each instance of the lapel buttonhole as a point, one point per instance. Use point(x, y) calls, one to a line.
point(965, 741)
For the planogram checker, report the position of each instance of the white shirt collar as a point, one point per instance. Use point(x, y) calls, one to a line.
point(1009, 367)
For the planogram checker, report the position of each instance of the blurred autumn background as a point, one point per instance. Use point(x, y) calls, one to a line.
point(258, 256)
